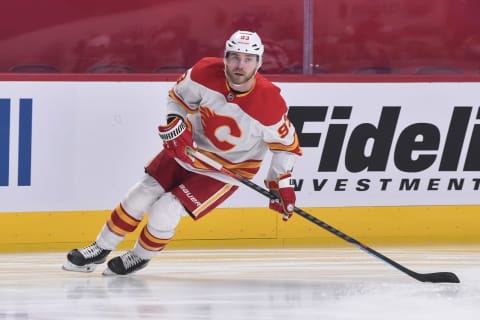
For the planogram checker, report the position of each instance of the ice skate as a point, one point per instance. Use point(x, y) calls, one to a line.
point(125, 264)
point(85, 259)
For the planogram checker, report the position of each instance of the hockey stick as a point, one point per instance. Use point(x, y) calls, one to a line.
point(436, 277)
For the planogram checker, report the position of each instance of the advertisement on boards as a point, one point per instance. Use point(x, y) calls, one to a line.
point(387, 143)
point(82, 145)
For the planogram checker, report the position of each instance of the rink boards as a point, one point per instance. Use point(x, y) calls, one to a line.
point(257, 227)
point(394, 162)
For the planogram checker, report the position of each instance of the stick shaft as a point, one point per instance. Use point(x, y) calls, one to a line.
point(429, 277)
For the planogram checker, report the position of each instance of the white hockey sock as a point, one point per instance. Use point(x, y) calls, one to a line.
point(108, 240)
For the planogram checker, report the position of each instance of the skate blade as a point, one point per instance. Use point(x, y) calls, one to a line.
point(109, 273)
point(68, 266)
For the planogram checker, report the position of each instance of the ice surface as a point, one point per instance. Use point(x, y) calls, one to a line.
point(276, 284)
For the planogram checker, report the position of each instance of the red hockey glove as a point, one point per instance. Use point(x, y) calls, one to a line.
point(177, 136)
point(283, 189)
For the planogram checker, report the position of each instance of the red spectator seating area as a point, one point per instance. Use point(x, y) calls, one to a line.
point(300, 36)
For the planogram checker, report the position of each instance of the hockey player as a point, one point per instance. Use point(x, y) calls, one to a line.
point(226, 110)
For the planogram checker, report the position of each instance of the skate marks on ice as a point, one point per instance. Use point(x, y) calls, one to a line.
point(246, 284)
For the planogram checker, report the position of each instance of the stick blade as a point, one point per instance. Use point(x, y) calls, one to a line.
point(439, 277)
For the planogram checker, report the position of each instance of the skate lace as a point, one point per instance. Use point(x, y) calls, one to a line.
point(130, 260)
point(91, 251)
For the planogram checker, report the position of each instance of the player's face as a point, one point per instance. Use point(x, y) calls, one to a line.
point(240, 67)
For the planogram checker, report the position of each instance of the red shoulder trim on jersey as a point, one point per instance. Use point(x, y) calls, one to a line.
point(264, 103)
point(210, 73)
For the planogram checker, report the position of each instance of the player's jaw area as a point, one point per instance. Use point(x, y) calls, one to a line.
point(240, 68)
point(240, 80)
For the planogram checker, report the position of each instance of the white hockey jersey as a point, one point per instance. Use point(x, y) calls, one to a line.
point(236, 130)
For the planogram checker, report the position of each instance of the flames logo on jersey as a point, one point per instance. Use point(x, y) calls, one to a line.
point(218, 128)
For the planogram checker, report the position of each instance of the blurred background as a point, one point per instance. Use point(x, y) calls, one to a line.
point(300, 36)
